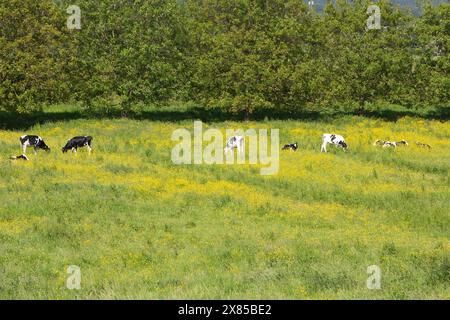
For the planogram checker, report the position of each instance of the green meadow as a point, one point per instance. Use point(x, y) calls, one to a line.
point(140, 227)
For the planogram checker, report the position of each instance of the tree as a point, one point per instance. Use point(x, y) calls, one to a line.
point(432, 56)
point(130, 53)
point(245, 51)
point(33, 65)
point(367, 66)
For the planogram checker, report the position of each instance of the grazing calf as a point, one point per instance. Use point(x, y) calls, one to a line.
point(291, 146)
point(402, 142)
point(335, 139)
point(33, 141)
point(22, 156)
point(379, 143)
point(387, 144)
point(423, 145)
point(236, 142)
point(78, 142)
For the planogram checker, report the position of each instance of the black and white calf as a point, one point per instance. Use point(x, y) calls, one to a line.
point(290, 146)
point(379, 143)
point(387, 144)
point(423, 145)
point(335, 139)
point(33, 141)
point(22, 156)
point(236, 142)
point(78, 142)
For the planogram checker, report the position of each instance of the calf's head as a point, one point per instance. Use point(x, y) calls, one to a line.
point(343, 145)
point(43, 146)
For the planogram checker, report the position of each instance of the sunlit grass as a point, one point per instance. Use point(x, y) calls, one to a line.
point(141, 227)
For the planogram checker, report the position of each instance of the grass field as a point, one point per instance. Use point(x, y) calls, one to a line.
point(139, 226)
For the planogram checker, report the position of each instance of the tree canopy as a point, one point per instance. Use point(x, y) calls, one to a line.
point(237, 55)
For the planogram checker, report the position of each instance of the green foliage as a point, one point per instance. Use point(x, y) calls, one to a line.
point(33, 53)
point(129, 54)
point(241, 56)
point(432, 53)
point(276, 54)
point(246, 51)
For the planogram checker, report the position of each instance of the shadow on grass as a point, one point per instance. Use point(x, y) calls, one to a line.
point(20, 121)
point(16, 121)
point(393, 115)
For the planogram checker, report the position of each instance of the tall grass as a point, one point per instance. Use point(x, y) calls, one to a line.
point(140, 227)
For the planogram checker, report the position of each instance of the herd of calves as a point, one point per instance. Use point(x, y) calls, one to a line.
point(236, 142)
point(38, 143)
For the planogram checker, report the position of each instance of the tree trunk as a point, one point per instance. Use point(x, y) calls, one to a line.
point(247, 114)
